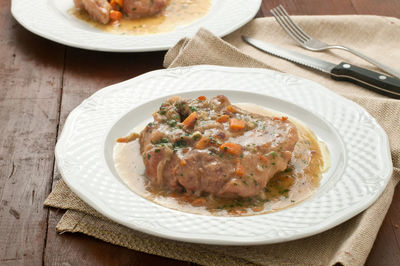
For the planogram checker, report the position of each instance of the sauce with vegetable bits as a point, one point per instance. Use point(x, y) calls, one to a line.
point(177, 13)
point(287, 188)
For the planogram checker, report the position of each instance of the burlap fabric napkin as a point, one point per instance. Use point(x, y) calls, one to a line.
point(348, 243)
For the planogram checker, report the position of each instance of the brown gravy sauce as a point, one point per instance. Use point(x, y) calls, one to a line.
point(177, 13)
point(309, 160)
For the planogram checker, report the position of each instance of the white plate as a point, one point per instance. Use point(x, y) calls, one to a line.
point(360, 157)
point(49, 19)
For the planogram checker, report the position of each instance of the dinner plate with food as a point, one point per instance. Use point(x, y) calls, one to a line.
point(130, 25)
point(220, 155)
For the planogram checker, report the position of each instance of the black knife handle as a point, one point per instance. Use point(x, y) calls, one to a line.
point(372, 80)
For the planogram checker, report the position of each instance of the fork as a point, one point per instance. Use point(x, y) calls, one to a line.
point(302, 38)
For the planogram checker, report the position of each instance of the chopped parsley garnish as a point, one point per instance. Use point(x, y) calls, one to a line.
point(273, 154)
point(172, 123)
point(288, 170)
point(157, 150)
point(179, 105)
point(180, 144)
point(192, 108)
point(148, 156)
point(164, 140)
point(284, 191)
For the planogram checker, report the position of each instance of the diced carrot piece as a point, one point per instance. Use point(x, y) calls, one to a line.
point(115, 15)
point(203, 143)
point(237, 124)
point(183, 162)
point(175, 170)
point(116, 4)
point(283, 118)
point(223, 119)
point(199, 202)
point(258, 208)
point(190, 120)
point(263, 158)
point(128, 138)
point(231, 109)
point(201, 98)
point(239, 170)
point(232, 148)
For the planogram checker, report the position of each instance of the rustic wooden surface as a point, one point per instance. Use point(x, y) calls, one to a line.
point(40, 83)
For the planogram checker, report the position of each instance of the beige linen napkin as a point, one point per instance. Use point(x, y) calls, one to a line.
point(348, 243)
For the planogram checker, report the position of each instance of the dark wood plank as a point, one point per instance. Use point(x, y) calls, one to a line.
point(30, 82)
point(310, 7)
point(85, 73)
point(390, 8)
point(78, 249)
point(386, 249)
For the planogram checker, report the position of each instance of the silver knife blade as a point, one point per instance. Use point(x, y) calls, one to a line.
point(305, 60)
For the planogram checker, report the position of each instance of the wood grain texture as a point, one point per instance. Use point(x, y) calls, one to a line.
point(80, 80)
point(29, 101)
point(40, 83)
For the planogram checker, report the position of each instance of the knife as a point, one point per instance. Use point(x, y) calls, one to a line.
point(372, 80)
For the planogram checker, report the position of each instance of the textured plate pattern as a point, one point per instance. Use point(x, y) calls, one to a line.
point(49, 19)
point(81, 160)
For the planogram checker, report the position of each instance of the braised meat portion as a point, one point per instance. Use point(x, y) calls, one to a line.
point(143, 8)
point(210, 147)
point(99, 10)
point(104, 11)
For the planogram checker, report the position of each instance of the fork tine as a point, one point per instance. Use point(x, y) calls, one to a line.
point(290, 26)
point(292, 23)
point(288, 29)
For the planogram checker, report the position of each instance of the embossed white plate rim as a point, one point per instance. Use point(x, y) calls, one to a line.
point(51, 24)
point(225, 240)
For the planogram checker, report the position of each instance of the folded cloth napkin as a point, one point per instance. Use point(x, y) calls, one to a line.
point(348, 243)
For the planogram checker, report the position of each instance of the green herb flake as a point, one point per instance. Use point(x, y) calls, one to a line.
point(172, 123)
point(148, 156)
point(288, 170)
point(284, 191)
point(164, 140)
point(157, 150)
point(180, 144)
point(273, 154)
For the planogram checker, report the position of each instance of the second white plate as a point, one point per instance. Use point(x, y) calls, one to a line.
point(360, 157)
point(50, 19)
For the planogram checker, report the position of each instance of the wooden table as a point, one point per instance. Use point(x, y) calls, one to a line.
point(40, 83)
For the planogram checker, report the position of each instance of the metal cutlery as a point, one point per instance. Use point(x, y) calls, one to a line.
point(372, 80)
point(313, 44)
